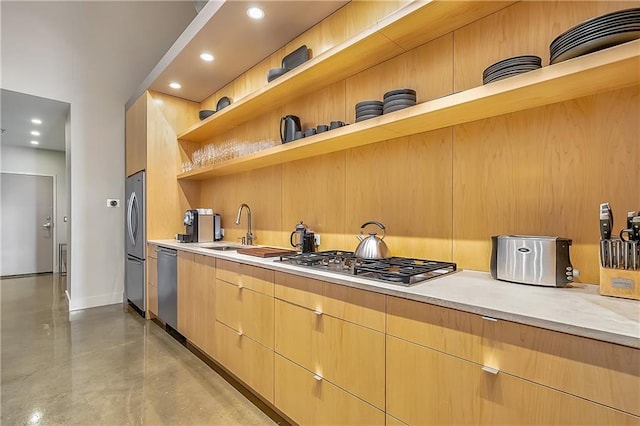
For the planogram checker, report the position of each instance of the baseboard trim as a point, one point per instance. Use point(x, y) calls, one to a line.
point(93, 301)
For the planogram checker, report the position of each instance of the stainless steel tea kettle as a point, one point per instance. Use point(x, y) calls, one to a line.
point(372, 247)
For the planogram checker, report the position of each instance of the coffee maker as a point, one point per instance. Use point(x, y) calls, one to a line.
point(190, 222)
point(303, 239)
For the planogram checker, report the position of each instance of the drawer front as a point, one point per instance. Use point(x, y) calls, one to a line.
point(346, 354)
point(299, 290)
point(595, 370)
point(474, 396)
point(151, 251)
point(448, 330)
point(246, 311)
point(228, 271)
point(309, 401)
point(351, 304)
point(257, 279)
point(152, 287)
point(247, 359)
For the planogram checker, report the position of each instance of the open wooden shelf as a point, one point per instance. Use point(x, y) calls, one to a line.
point(609, 69)
point(409, 27)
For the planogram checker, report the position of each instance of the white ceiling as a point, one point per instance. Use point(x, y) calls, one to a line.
point(236, 41)
point(222, 27)
point(16, 112)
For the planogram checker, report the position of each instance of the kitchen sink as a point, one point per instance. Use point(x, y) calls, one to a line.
point(223, 248)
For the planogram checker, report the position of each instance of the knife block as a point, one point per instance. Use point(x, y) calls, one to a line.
point(620, 283)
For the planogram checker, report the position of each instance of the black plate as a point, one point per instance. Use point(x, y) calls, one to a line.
point(368, 112)
point(223, 103)
point(400, 98)
point(399, 92)
point(402, 102)
point(580, 31)
point(590, 34)
point(274, 73)
point(368, 103)
point(593, 45)
point(594, 21)
point(396, 108)
point(509, 62)
point(511, 70)
point(296, 58)
point(366, 117)
point(503, 76)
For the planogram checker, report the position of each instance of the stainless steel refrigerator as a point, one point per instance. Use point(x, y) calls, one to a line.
point(135, 238)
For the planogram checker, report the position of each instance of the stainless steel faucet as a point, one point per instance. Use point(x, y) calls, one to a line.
point(248, 239)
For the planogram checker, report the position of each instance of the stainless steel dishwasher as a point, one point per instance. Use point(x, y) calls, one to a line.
point(168, 286)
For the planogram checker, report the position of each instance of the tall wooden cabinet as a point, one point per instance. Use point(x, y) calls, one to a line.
point(151, 126)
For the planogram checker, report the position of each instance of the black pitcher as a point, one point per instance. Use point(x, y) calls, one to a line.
point(289, 125)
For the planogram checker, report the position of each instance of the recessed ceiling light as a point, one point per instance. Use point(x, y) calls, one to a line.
point(175, 85)
point(255, 13)
point(35, 133)
point(35, 143)
point(36, 121)
point(206, 57)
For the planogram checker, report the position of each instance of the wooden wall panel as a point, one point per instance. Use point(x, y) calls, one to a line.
point(167, 199)
point(314, 191)
point(544, 172)
point(179, 113)
point(321, 37)
point(526, 28)
point(362, 14)
point(136, 136)
point(427, 69)
point(405, 184)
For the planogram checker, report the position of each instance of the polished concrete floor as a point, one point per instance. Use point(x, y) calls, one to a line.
point(103, 365)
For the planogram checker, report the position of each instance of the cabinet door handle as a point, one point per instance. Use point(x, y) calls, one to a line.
point(490, 370)
point(317, 312)
point(240, 287)
point(239, 333)
point(489, 318)
point(317, 377)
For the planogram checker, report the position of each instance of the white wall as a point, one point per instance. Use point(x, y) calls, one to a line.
point(92, 55)
point(42, 162)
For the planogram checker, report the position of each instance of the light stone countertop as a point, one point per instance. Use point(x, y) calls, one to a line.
point(579, 310)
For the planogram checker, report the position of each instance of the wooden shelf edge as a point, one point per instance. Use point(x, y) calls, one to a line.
point(380, 42)
point(610, 69)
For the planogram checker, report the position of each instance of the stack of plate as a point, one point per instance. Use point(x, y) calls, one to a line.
point(398, 99)
point(596, 34)
point(368, 109)
point(510, 67)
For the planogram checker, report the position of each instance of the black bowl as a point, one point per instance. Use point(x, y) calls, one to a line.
point(205, 113)
point(274, 73)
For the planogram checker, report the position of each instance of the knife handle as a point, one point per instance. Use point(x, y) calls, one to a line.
point(604, 253)
point(605, 228)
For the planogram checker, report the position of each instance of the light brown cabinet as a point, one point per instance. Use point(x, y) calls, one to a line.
point(310, 400)
point(558, 370)
point(196, 299)
point(152, 280)
point(426, 386)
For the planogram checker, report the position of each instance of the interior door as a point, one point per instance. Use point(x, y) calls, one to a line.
point(27, 224)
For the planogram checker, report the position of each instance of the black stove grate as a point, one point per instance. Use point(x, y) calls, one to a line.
point(398, 270)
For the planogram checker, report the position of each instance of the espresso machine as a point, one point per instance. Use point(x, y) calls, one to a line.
point(201, 226)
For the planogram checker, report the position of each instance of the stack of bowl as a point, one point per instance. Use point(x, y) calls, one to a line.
point(510, 67)
point(398, 99)
point(368, 109)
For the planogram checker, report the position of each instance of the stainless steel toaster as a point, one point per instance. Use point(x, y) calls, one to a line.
point(531, 260)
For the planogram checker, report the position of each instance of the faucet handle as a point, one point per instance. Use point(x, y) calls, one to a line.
point(243, 240)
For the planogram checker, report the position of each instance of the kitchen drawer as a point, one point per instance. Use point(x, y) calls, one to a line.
point(455, 332)
point(299, 290)
point(256, 279)
point(351, 304)
point(347, 354)
point(595, 370)
point(246, 311)
point(420, 380)
point(228, 271)
point(247, 359)
point(310, 400)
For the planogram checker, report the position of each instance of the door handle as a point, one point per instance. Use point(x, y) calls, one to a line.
point(46, 225)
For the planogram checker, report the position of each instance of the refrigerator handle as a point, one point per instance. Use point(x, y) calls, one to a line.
point(135, 217)
point(129, 218)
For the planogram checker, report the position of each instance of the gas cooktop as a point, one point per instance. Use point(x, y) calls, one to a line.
point(395, 270)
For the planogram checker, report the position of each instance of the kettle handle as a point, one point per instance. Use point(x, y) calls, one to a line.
point(282, 120)
point(381, 226)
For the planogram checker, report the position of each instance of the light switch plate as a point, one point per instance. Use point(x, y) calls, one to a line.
point(113, 202)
